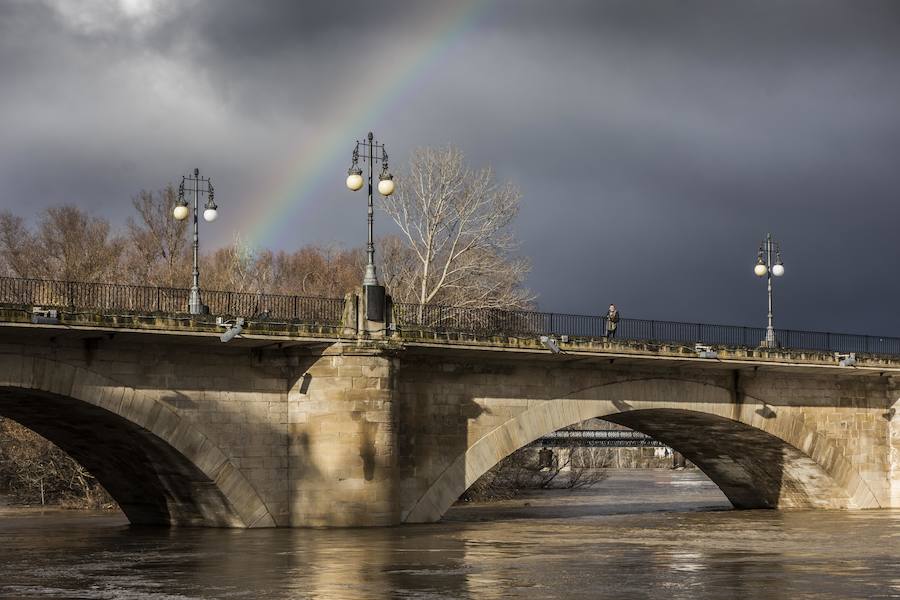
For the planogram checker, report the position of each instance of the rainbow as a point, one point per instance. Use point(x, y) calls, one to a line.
point(310, 170)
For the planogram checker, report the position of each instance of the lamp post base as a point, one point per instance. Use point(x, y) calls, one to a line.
point(375, 297)
point(195, 305)
point(370, 278)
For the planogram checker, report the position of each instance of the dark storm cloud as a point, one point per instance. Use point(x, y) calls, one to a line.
point(655, 143)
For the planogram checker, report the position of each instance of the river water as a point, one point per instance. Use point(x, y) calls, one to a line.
point(639, 534)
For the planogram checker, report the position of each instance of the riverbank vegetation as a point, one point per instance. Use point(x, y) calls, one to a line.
point(532, 467)
point(566, 465)
point(33, 471)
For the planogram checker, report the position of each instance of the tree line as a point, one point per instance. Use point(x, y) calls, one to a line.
point(67, 243)
point(456, 246)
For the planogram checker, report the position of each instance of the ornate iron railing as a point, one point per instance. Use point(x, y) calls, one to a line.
point(80, 296)
point(530, 324)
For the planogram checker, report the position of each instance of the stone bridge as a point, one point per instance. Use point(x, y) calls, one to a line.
point(297, 426)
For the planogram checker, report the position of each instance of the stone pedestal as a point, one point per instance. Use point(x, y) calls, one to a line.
point(357, 312)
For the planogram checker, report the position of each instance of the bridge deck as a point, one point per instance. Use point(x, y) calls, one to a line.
point(269, 335)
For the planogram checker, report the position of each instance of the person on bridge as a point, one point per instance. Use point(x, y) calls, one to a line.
point(612, 321)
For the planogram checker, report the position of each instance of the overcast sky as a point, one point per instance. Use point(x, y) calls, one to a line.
point(655, 143)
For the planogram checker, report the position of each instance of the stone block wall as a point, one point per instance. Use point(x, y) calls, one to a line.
point(343, 438)
point(220, 409)
point(459, 417)
point(310, 433)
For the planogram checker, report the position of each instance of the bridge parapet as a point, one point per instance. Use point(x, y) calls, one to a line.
point(262, 332)
point(413, 321)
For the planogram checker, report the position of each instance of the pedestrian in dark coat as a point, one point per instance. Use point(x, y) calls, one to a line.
point(612, 321)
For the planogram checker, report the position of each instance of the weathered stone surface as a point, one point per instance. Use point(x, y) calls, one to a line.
point(357, 432)
point(769, 436)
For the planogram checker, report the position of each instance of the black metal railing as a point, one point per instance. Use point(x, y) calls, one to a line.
point(79, 296)
point(525, 323)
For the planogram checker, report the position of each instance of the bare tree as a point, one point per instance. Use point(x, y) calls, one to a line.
point(158, 246)
point(523, 470)
point(567, 465)
point(17, 247)
point(455, 222)
point(73, 246)
point(589, 465)
point(238, 268)
point(398, 265)
point(309, 271)
point(69, 244)
point(327, 271)
point(33, 470)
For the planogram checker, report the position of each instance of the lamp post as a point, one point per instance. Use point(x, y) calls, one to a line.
point(370, 151)
point(766, 268)
point(198, 185)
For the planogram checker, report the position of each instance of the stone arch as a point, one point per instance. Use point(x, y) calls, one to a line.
point(160, 468)
point(760, 458)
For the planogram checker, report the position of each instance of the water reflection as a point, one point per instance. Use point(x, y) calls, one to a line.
point(556, 547)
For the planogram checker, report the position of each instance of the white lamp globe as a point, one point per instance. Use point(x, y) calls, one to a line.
point(778, 270)
point(354, 181)
point(386, 187)
point(210, 214)
point(181, 212)
point(760, 270)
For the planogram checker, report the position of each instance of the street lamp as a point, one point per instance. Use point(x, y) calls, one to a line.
point(210, 212)
point(766, 268)
point(370, 151)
